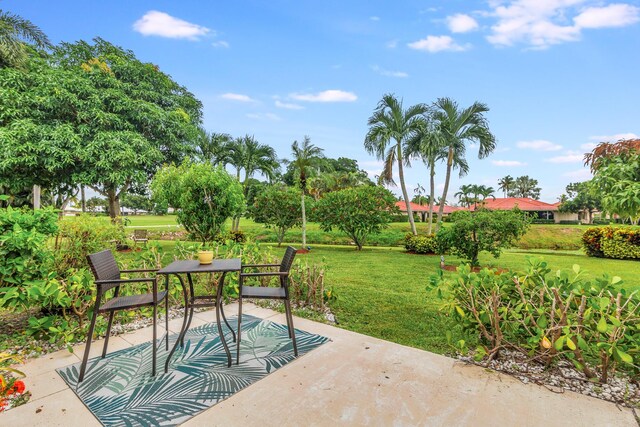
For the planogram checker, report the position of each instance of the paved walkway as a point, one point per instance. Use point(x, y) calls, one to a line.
point(352, 380)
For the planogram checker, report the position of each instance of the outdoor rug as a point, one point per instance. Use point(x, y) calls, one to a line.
point(120, 390)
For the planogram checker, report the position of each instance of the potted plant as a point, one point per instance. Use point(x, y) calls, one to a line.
point(205, 255)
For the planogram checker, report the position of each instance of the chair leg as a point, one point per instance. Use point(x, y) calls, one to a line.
point(153, 344)
point(166, 318)
point(106, 338)
point(292, 330)
point(87, 347)
point(239, 326)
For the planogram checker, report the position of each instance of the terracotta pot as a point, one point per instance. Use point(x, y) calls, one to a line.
point(205, 257)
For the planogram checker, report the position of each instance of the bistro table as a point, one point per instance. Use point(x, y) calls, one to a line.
point(192, 301)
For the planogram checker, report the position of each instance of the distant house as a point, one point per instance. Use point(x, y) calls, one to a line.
point(423, 211)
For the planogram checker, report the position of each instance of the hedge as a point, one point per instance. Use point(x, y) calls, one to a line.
point(612, 242)
point(421, 244)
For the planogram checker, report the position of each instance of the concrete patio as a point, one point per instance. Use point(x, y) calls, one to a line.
point(352, 380)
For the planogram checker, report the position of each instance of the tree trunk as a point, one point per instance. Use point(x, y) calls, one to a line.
point(304, 224)
point(446, 188)
point(432, 184)
point(83, 200)
point(114, 204)
point(407, 201)
point(36, 197)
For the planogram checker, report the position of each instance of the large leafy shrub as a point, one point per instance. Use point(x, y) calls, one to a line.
point(612, 242)
point(595, 324)
point(280, 208)
point(427, 244)
point(482, 230)
point(358, 211)
point(204, 196)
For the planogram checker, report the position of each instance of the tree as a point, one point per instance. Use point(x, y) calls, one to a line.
point(482, 230)
point(390, 122)
point(278, 207)
point(97, 204)
point(93, 114)
point(358, 211)
point(305, 156)
point(457, 127)
point(506, 184)
point(616, 176)
point(14, 33)
point(212, 147)
point(204, 196)
point(464, 195)
point(137, 202)
point(524, 186)
point(481, 193)
point(580, 198)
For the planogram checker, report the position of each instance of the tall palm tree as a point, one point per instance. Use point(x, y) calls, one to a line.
point(459, 126)
point(391, 122)
point(213, 147)
point(429, 145)
point(464, 195)
point(15, 31)
point(481, 193)
point(506, 184)
point(305, 156)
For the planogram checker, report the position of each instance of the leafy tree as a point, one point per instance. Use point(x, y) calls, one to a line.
point(97, 204)
point(506, 184)
point(390, 122)
point(212, 147)
point(482, 230)
point(580, 197)
point(616, 176)
point(93, 114)
point(14, 32)
point(278, 207)
point(204, 196)
point(305, 156)
point(358, 211)
point(524, 186)
point(137, 202)
point(457, 127)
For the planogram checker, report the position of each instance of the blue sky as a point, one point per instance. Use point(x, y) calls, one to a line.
point(558, 76)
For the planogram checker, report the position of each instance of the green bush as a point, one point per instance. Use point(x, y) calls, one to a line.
point(547, 315)
point(600, 221)
point(421, 244)
point(612, 242)
point(569, 221)
point(543, 221)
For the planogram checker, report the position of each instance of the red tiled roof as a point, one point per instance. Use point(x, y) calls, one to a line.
point(419, 208)
point(523, 203)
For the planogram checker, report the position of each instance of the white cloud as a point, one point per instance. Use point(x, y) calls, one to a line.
point(221, 43)
point(588, 146)
point(288, 106)
point(570, 157)
point(435, 44)
point(539, 145)
point(613, 15)
point(374, 18)
point(613, 138)
point(332, 95)
point(543, 23)
point(264, 116)
point(461, 23)
point(507, 163)
point(383, 72)
point(237, 97)
point(155, 23)
point(579, 175)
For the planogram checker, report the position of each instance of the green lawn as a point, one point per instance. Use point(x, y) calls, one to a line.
point(382, 291)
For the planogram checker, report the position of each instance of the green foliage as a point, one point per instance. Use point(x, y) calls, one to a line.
point(549, 316)
point(358, 211)
point(524, 186)
point(482, 230)
point(205, 197)
point(278, 207)
point(421, 244)
point(544, 221)
point(612, 242)
point(23, 251)
point(617, 180)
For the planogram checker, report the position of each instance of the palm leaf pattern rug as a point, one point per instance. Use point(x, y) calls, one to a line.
point(120, 390)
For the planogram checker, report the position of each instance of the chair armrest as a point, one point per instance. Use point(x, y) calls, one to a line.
point(143, 279)
point(141, 270)
point(260, 265)
point(269, 273)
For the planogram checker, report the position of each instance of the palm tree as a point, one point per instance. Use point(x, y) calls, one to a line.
point(390, 122)
point(525, 186)
point(481, 192)
point(14, 32)
point(506, 184)
point(464, 195)
point(305, 156)
point(213, 147)
point(457, 127)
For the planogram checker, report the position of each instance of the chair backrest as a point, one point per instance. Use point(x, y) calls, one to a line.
point(104, 267)
point(140, 234)
point(287, 259)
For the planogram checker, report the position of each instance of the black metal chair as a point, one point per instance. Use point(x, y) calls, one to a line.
point(261, 292)
point(107, 275)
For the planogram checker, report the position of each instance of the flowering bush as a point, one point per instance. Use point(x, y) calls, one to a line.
point(12, 389)
point(612, 242)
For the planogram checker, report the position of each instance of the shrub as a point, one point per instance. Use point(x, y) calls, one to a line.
point(548, 316)
point(421, 244)
point(280, 208)
point(569, 221)
point(601, 221)
point(591, 241)
point(543, 221)
point(612, 242)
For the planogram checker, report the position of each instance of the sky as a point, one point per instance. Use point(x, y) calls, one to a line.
point(558, 76)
